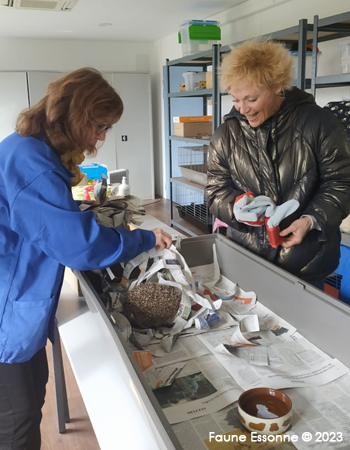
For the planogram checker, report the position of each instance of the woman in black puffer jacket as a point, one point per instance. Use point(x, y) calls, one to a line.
point(277, 143)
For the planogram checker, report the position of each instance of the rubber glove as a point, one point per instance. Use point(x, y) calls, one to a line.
point(274, 216)
point(243, 214)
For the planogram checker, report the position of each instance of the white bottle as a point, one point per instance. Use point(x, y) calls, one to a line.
point(124, 188)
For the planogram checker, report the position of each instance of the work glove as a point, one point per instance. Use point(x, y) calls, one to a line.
point(249, 210)
point(242, 212)
point(271, 214)
point(252, 209)
point(274, 216)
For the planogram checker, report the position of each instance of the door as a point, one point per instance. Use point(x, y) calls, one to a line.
point(13, 99)
point(133, 132)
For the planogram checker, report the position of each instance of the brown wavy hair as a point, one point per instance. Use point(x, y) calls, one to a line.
point(64, 115)
point(263, 63)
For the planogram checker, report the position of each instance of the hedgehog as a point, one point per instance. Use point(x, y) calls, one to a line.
point(152, 305)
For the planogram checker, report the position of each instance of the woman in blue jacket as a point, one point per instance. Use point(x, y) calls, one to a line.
point(42, 230)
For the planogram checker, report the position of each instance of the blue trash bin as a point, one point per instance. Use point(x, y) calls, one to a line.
point(344, 270)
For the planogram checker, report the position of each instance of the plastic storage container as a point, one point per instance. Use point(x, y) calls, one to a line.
point(94, 171)
point(198, 35)
point(194, 80)
point(344, 47)
point(308, 68)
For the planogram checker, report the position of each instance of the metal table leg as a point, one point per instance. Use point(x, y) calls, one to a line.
point(60, 383)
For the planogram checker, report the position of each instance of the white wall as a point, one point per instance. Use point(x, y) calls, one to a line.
point(65, 55)
point(245, 21)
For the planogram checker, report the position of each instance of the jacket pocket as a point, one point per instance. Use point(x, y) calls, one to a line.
point(28, 329)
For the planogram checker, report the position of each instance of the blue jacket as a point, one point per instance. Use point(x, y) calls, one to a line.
point(42, 230)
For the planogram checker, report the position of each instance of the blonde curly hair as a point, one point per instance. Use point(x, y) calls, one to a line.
point(263, 63)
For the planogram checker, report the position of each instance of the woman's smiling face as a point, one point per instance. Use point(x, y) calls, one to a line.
point(257, 104)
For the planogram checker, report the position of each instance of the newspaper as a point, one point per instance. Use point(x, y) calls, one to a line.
point(202, 387)
point(316, 410)
point(156, 378)
point(267, 319)
point(182, 350)
point(291, 364)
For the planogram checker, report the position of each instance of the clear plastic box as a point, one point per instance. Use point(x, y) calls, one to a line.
point(198, 36)
point(344, 47)
point(194, 80)
point(308, 68)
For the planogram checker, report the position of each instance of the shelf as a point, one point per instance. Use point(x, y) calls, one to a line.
point(333, 80)
point(334, 27)
point(203, 141)
point(197, 93)
point(184, 182)
point(200, 59)
point(288, 36)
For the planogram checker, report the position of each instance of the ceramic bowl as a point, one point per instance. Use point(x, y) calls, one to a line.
point(265, 410)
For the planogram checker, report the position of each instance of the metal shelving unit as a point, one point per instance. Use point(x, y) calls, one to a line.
point(194, 207)
point(299, 34)
point(327, 29)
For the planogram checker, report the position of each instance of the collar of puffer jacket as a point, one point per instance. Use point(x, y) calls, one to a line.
point(293, 98)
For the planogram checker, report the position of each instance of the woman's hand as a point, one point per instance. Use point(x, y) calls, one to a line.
point(163, 239)
point(296, 232)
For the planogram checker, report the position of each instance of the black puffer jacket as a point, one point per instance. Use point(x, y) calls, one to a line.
point(301, 152)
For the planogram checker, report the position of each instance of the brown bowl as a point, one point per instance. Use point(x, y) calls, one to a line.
point(265, 410)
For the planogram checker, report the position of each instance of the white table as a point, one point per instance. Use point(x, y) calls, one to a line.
point(101, 368)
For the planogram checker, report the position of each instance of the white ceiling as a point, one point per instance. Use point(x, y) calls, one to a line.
point(131, 20)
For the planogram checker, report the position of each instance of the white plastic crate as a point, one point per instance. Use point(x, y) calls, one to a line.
point(344, 47)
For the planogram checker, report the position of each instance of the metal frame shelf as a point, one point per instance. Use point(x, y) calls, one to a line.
point(184, 182)
point(202, 61)
point(204, 141)
point(327, 29)
point(199, 93)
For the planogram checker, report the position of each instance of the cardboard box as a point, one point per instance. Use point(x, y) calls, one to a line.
point(185, 119)
point(193, 129)
point(209, 80)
